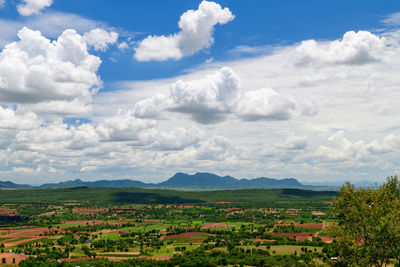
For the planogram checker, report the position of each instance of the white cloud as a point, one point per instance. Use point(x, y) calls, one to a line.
point(214, 97)
point(31, 7)
point(10, 120)
point(83, 136)
point(2, 3)
point(38, 70)
point(123, 46)
point(51, 24)
point(215, 148)
point(392, 20)
point(124, 126)
point(100, 39)
point(196, 33)
point(151, 107)
point(264, 104)
point(75, 107)
point(157, 134)
point(389, 143)
point(354, 48)
point(343, 149)
point(26, 170)
point(208, 100)
point(177, 139)
point(294, 143)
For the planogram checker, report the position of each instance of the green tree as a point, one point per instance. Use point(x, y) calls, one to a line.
point(368, 220)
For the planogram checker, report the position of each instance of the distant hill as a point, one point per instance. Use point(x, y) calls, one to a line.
point(210, 181)
point(11, 185)
point(101, 183)
point(199, 180)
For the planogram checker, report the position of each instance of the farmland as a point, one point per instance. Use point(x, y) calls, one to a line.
point(156, 227)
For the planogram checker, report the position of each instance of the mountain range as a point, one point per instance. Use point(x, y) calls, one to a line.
point(199, 180)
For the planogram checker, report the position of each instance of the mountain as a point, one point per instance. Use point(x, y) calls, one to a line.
point(269, 182)
point(209, 180)
point(101, 183)
point(11, 185)
point(200, 180)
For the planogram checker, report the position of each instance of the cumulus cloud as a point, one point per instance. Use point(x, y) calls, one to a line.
point(177, 139)
point(83, 136)
point(2, 3)
point(388, 144)
point(65, 108)
point(37, 70)
point(196, 33)
point(123, 46)
point(294, 143)
point(124, 126)
point(100, 39)
point(207, 100)
point(214, 148)
point(213, 98)
point(264, 104)
point(343, 149)
point(10, 120)
point(354, 48)
point(151, 107)
point(31, 7)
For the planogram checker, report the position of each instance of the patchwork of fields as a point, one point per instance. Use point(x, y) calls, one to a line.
point(250, 227)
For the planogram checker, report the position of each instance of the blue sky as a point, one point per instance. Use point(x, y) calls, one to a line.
point(109, 90)
point(259, 23)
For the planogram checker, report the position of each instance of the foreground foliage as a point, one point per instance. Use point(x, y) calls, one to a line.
point(368, 224)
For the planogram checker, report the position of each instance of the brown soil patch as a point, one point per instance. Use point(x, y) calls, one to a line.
point(326, 239)
point(215, 225)
point(10, 256)
point(9, 212)
point(318, 213)
point(310, 226)
point(164, 257)
point(298, 236)
point(145, 257)
point(28, 232)
point(188, 235)
point(15, 243)
point(292, 211)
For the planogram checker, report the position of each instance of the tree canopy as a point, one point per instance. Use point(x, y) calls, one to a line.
point(367, 231)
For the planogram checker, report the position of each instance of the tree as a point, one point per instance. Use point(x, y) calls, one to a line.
point(367, 229)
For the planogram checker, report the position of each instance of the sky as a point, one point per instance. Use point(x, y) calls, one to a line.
point(144, 89)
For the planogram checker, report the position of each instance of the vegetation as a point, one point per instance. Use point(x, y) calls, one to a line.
point(154, 227)
point(368, 220)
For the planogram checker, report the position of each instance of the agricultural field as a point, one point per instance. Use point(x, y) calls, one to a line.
point(145, 227)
